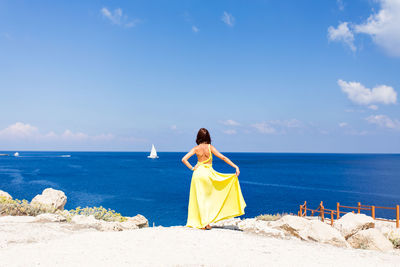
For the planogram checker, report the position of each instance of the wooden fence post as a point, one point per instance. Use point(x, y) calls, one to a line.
point(359, 206)
point(373, 212)
point(301, 211)
point(322, 213)
point(305, 208)
point(397, 216)
point(331, 217)
point(337, 211)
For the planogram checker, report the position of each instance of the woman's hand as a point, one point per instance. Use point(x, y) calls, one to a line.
point(237, 171)
point(195, 167)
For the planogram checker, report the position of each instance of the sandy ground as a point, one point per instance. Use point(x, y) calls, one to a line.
point(55, 244)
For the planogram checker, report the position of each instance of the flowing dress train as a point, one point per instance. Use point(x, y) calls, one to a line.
point(213, 196)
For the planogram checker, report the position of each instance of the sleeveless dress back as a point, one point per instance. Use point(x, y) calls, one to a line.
point(213, 196)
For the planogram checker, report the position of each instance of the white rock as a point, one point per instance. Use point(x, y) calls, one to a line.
point(292, 225)
point(139, 220)
point(370, 239)
point(5, 194)
point(128, 225)
point(88, 221)
point(259, 227)
point(312, 230)
point(324, 233)
point(101, 225)
point(233, 222)
point(51, 197)
point(352, 223)
point(385, 227)
point(50, 217)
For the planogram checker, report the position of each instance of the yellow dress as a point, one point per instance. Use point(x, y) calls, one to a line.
point(213, 196)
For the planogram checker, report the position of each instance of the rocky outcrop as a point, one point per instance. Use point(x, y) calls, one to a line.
point(260, 227)
point(132, 223)
point(370, 239)
point(5, 194)
point(312, 230)
point(52, 198)
point(352, 223)
point(139, 220)
point(50, 217)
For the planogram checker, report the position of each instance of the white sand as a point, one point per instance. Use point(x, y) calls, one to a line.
point(39, 244)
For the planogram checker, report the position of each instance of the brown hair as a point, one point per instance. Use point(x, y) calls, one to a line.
point(203, 136)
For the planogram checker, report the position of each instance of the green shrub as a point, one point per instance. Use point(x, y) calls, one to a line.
point(24, 208)
point(99, 213)
point(16, 207)
point(270, 217)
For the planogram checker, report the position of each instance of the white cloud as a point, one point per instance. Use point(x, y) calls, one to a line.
point(228, 19)
point(384, 26)
point(342, 34)
point(230, 123)
point(23, 131)
point(195, 29)
point(68, 134)
point(264, 127)
point(19, 130)
point(343, 124)
point(230, 131)
point(173, 127)
point(384, 121)
point(118, 18)
point(359, 94)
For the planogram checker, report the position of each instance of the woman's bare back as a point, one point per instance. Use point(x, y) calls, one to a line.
point(202, 152)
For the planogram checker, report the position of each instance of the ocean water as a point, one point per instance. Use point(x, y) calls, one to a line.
point(130, 183)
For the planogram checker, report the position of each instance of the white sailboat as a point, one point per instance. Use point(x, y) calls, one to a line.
point(153, 153)
point(16, 154)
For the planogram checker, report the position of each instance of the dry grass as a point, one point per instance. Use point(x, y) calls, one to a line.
point(270, 217)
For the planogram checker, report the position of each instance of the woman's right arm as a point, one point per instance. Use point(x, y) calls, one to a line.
point(186, 157)
point(226, 159)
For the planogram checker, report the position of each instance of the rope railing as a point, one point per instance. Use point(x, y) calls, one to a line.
point(321, 211)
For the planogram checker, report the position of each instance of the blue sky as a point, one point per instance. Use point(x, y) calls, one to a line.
point(263, 76)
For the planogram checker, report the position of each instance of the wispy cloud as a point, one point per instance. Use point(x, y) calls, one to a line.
point(384, 121)
point(230, 131)
point(361, 95)
point(343, 124)
point(264, 127)
point(342, 34)
point(340, 4)
point(118, 18)
point(195, 29)
point(25, 131)
point(230, 123)
point(278, 126)
point(228, 19)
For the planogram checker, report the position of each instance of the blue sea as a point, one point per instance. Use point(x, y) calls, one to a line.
point(130, 183)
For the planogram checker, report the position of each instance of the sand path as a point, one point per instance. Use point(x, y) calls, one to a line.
point(180, 246)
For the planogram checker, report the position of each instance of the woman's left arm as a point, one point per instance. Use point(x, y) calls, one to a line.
point(186, 157)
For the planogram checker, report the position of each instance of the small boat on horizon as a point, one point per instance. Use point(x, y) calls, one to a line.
point(16, 154)
point(153, 153)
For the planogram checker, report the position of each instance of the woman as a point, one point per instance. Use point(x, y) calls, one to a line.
point(214, 196)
